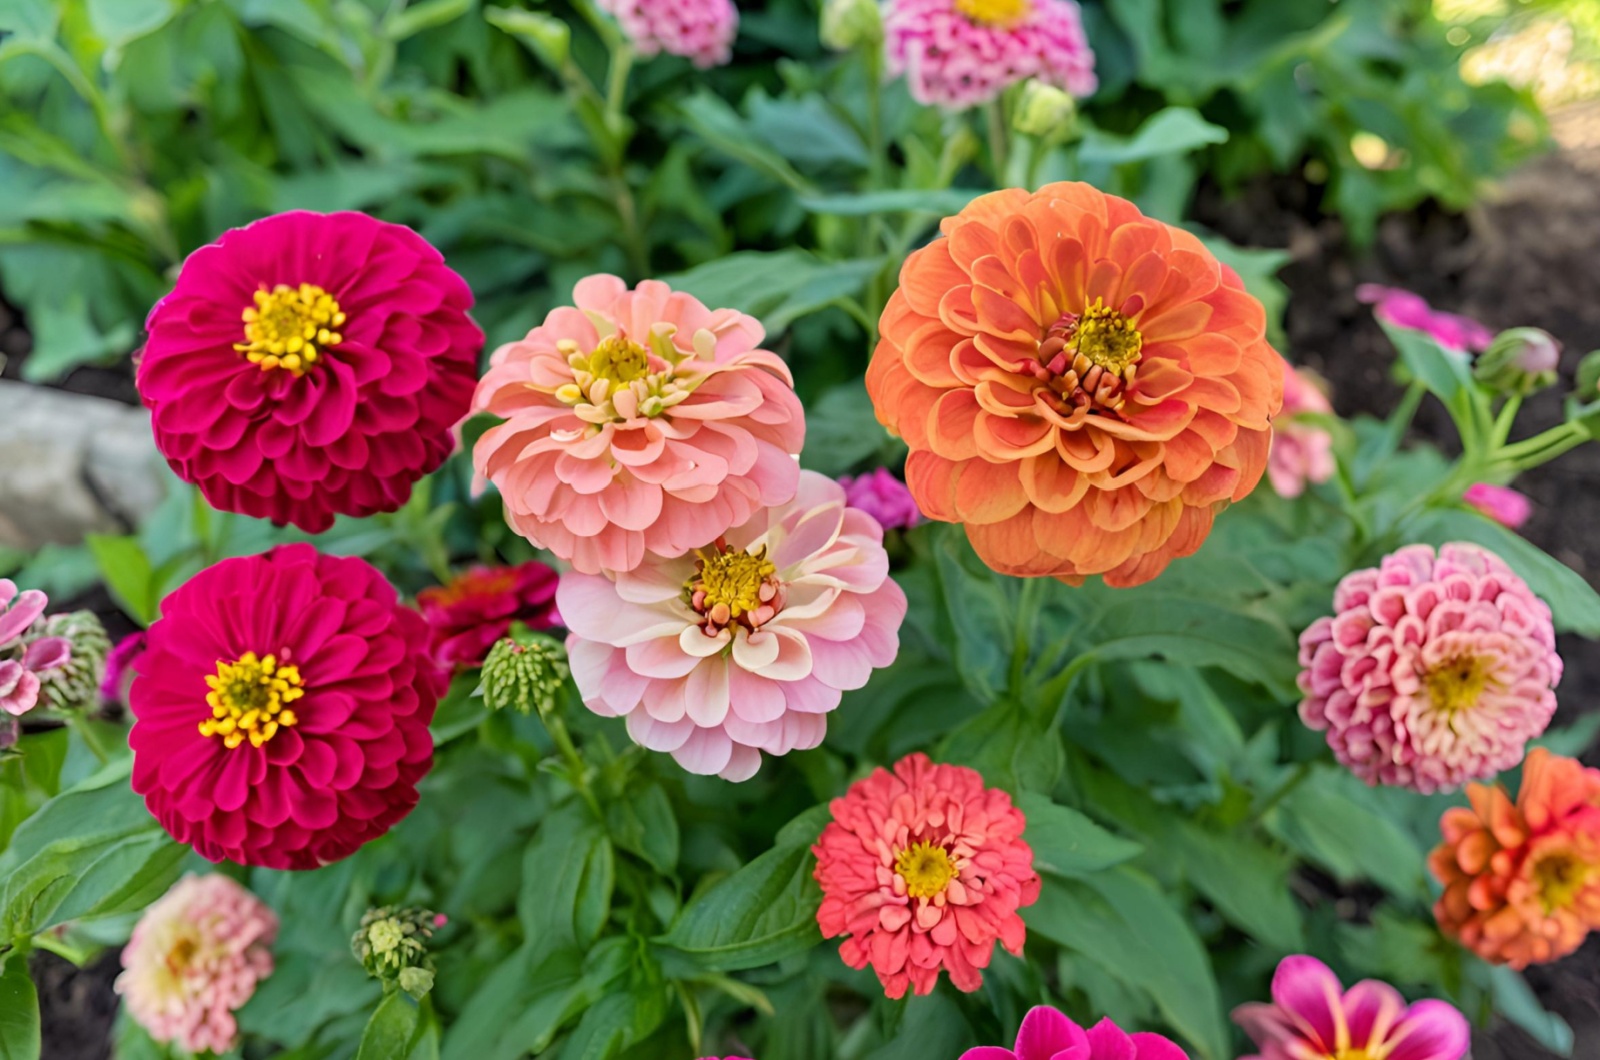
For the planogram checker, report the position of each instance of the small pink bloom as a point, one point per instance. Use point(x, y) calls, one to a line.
point(476, 609)
point(1432, 671)
point(1047, 1034)
point(1501, 503)
point(746, 645)
point(18, 610)
point(1313, 1017)
point(194, 959)
point(701, 30)
point(1404, 309)
point(959, 54)
point(119, 668)
point(19, 688)
point(924, 869)
point(1302, 451)
point(47, 653)
point(882, 496)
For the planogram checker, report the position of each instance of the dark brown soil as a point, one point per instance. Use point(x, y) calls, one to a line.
point(77, 1004)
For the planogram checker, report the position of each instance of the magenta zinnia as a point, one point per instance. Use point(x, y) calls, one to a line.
point(478, 606)
point(310, 365)
point(1048, 1034)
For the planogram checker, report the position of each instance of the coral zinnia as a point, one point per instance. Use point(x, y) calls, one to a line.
point(1433, 670)
point(700, 30)
point(745, 646)
point(638, 421)
point(962, 53)
point(282, 708)
point(922, 869)
point(195, 958)
point(476, 609)
point(1302, 451)
point(1047, 1034)
point(1313, 1017)
point(1082, 386)
point(309, 365)
point(1522, 882)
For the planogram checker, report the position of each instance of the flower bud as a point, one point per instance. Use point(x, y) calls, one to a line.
point(526, 671)
point(1044, 110)
point(75, 684)
point(1519, 361)
point(848, 24)
point(392, 945)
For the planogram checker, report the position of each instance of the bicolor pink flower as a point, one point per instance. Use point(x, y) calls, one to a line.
point(745, 646)
point(1411, 311)
point(1501, 503)
point(1313, 1017)
point(477, 608)
point(924, 869)
point(119, 668)
point(21, 662)
point(701, 30)
point(195, 958)
point(1302, 451)
point(1047, 1034)
point(959, 54)
point(1433, 670)
point(18, 611)
point(638, 422)
point(882, 496)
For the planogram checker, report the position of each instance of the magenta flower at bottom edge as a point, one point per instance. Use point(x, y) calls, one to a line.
point(1312, 1017)
point(1047, 1034)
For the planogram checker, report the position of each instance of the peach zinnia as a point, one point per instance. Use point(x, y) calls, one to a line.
point(1083, 386)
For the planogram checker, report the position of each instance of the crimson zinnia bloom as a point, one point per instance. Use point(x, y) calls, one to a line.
point(310, 365)
point(477, 608)
point(282, 709)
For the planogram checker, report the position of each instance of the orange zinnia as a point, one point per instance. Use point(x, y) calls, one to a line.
point(1522, 882)
point(1082, 386)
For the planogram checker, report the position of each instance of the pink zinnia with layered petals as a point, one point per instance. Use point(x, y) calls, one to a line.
point(638, 422)
point(1501, 503)
point(745, 646)
point(1047, 1034)
point(21, 665)
point(1313, 1017)
point(1302, 451)
point(700, 30)
point(310, 365)
point(924, 869)
point(882, 496)
point(195, 958)
point(1411, 311)
point(478, 606)
point(962, 53)
point(281, 709)
point(1434, 670)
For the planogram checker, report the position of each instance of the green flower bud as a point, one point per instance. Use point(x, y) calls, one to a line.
point(392, 944)
point(1044, 110)
point(526, 671)
point(1519, 361)
point(415, 981)
point(76, 685)
point(848, 24)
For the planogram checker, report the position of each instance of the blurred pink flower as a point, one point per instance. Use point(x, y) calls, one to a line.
point(1313, 1017)
point(119, 668)
point(477, 608)
point(1404, 309)
point(959, 54)
point(882, 496)
point(1433, 670)
point(747, 645)
point(22, 663)
point(18, 610)
point(1501, 503)
point(194, 959)
point(1047, 1034)
point(1302, 451)
point(701, 30)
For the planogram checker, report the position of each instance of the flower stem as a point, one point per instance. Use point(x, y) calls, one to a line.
point(994, 113)
point(576, 768)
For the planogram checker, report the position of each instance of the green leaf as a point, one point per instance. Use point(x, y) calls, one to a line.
point(1176, 130)
point(1067, 843)
point(720, 126)
point(564, 858)
point(941, 201)
point(425, 15)
point(842, 431)
point(389, 1032)
point(19, 1012)
point(1010, 748)
point(1325, 820)
point(779, 287)
point(1516, 1002)
point(932, 1027)
point(982, 609)
point(1446, 373)
point(128, 574)
point(806, 131)
point(644, 824)
point(117, 22)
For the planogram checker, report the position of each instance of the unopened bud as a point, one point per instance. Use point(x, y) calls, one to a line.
point(75, 684)
point(525, 671)
point(848, 24)
point(392, 944)
point(1519, 361)
point(1044, 110)
point(415, 981)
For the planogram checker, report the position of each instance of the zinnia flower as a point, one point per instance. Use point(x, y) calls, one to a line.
point(1082, 386)
point(25, 659)
point(477, 608)
point(1313, 1017)
point(1501, 503)
point(1302, 451)
point(282, 709)
point(309, 365)
point(1522, 882)
point(924, 869)
point(701, 30)
point(1411, 311)
point(745, 646)
point(195, 958)
point(638, 421)
point(882, 496)
point(1433, 670)
point(1047, 1034)
point(119, 668)
point(963, 53)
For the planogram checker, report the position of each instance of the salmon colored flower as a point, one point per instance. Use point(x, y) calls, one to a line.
point(639, 421)
point(1433, 670)
point(699, 30)
point(924, 869)
point(1302, 451)
point(1048, 1034)
point(1522, 882)
point(477, 608)
point(1082, 386)
point(1501, 503)
point(963, 53)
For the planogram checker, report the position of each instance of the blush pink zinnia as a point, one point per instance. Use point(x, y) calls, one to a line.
point(1302, 451)
point(960, 54)
point(638, 422)
point(702, 31)
point(922, 870)
point(1048, 1034)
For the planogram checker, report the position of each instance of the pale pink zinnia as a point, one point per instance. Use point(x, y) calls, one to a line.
point(1501, 503)
point(746, 645)
point(700, 30)
point(924, 869)
point(194, 959)
point(1302, 451)
point(1313, 1017)
point(1411, 311)
point(962, 53)
point(1433, 670)
point(638, 422)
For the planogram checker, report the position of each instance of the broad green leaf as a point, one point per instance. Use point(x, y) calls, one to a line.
point(1446, 373)
point(982, 610)
point(941, 201)
point(117, 22)
point(643, 823)
point(128, 575)
point(842, 431)
point(931, 1028)
point(1010, 748)
point(19, 1011)
point(1324, 821)
point(1516, 1002)
point(32, 19)
point(720, 126)
point(563, 857)
point(1067, 843)
point(423, 15)
point(779, 286)
point(1176, 130)
point(806, 131)
point(389, 1032)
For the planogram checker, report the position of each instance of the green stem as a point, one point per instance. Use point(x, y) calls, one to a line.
point(576, 768)
point(617, 83)
point(1054, 692)
point(994, 113)
point(1503, 422)
point(1022, 644)
point(1542, 447)
point(1400, 419)
point(1301, 772)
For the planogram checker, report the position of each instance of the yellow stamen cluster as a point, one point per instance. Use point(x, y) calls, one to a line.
point(731, 585)
point(1457, 684)
point(291, 327)
point(1107, 338)
point(926, 867)
point(1000, 13)
point(1560, 875)
point(1355, 1054)
point(250, 699)
point(617, 382)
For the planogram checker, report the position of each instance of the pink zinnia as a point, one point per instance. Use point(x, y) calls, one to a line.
point(745, 646)
point(1047, 1034)
point(924, 869)
point(310, 365)
point(477, 608)
point(1411, 311)
point(882, 496)
point(701, 30)
point(1302, 451)
point(638, 422)
point(19, 673)
point(1434, 670)
point(195, 958)
point(1501, 503)
point(119, 668)
point(962, 53)
point(1313, 1017)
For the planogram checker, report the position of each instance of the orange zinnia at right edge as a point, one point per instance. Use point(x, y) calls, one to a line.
point(1082, 386)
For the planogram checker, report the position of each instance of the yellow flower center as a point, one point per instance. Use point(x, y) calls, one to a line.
point(1456, 684)
point(290, 327)
point(926, 868)
point(250, 698)
point(1353, 1054)
point(731, 580)
point(1560, 876)
point(619, 359)
point(999, 13)
point(1107, 338)
point(181, 953)
point(616, 382)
